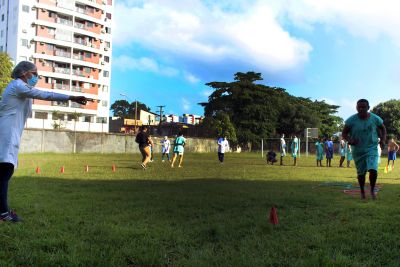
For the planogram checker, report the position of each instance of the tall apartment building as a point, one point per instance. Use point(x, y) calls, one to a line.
point(70, 43)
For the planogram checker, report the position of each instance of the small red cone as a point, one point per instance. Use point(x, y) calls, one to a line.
point(273, 216)
point(38, 170)
point(87, 168)
point(114, 168)
point(62, 170)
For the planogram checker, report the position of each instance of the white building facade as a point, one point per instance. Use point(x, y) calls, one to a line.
point(70, 43)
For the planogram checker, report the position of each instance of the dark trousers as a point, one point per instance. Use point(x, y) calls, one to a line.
point(162, 157)
point(221, 156)
point(6, 171)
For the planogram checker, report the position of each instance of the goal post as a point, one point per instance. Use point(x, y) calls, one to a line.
point(310, 133)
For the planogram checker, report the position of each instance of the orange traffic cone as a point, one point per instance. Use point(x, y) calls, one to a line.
point(273, 216)
point(38, 170)
point(114, 168)
point(87, 168)
point(62, 170)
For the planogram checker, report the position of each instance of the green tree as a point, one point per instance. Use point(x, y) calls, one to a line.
point(389, 111)
point(259, 111)
point(220, 125)
point(6, 67)
point(124, 109)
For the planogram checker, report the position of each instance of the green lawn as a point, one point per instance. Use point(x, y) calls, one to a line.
point(204, 214)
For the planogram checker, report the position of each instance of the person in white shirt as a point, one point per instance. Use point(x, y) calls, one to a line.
point(282, 148)
point(15, 108)
point(165, 145)
point(223, 146)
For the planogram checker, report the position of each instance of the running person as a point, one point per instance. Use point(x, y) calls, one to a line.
point(393, 147)
point(179, 145)
point(362, 131)
point(165, 145)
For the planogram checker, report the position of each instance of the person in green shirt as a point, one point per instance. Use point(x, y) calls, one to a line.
point(295, 149)
point(319, 150)
point(179, 145)
point(362, 131)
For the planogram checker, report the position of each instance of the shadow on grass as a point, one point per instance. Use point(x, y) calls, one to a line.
point(201, 222)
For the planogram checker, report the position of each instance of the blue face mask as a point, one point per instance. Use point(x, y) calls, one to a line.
point(33, 80)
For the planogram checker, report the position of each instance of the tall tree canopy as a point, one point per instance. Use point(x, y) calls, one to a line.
point(259, 111)
point(6, 67)
point(389, 111)
point(124, 109)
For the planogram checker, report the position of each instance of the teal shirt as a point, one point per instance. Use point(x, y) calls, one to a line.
point(295, 145)
point(179, 142)
point(319, 147)
point(365, 132)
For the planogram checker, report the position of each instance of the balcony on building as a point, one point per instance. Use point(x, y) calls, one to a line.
point(77, 86)
point(80, 24)
point(61, 68)
point(61, 84)
point(64, 20)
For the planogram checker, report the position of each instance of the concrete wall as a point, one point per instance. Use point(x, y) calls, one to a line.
point(34, 140)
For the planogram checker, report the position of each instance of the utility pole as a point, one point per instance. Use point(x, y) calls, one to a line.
point(135, 116)
point(161, 107)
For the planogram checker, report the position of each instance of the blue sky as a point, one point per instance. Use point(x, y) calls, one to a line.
point(164, 51)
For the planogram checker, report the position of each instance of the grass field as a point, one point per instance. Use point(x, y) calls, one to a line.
point(204, 214)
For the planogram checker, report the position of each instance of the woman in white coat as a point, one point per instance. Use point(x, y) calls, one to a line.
point(15, 108)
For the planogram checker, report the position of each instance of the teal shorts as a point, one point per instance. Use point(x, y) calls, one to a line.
point(365, 163)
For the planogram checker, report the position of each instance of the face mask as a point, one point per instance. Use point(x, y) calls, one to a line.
point(33, 80)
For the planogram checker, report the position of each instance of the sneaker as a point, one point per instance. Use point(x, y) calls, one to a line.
point(143, 166)
point(10, 216)
point(163, 160)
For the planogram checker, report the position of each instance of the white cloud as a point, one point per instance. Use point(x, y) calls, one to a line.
point(125, 62)
point(186, 105)
point(364, 18)
point(193, 31)
point(191, 78)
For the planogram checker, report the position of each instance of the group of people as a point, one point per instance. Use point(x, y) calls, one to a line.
point(361, 135)
point(146, 147)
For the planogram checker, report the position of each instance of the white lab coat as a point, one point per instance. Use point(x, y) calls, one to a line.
point(15, 108)
point(223, 145)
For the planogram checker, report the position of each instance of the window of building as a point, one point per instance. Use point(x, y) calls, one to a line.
point(90, 9)
point(88, 119)
point(104, 103)
point(88, 55)
point(24, 42)
point(71, 117)
point(106, 74)
point(108, 15)
point(50, 47)
point(41, 115)
point(101, 120)
point(108, 30)
point(25, 8)
point(106, 58)
point(105, 88)
point(51, 31)
point(107, 44)
point(89, 24)
point(88, 70)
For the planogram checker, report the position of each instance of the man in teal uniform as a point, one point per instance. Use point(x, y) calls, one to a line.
point(362, 131)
